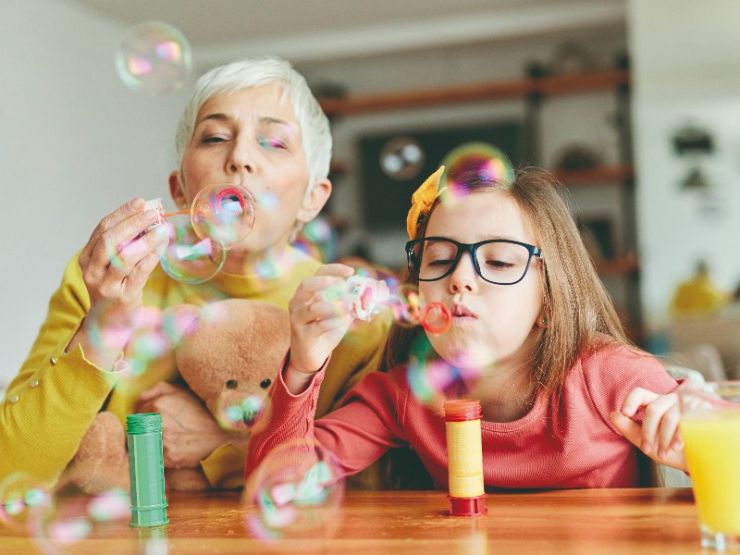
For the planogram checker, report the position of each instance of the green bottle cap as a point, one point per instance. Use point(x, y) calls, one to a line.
point(146, 468)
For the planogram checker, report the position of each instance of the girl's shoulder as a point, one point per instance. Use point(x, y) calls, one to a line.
point(608, 368)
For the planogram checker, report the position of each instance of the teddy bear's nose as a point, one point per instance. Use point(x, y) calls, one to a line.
point(264, 384)
point(232, 384)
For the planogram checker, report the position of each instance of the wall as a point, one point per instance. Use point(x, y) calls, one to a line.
point(686, 59)
point(582, 118)
point(74, 145)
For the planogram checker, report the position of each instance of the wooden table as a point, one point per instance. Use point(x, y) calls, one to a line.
point(630, 521)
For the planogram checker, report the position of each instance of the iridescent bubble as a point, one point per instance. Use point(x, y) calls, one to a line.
point(154, 58)
point(433, 379)
point(110, 326)
point(319, 239)
point(365, 296)
point(402, 158)
point(407, 306)
point(436, 318)
point(180, 321)
point(20, 496)
point(188, 257)
point(73, 516)
point(242, 411)
point(474, 165)
point(296, 492)
point(223, 213)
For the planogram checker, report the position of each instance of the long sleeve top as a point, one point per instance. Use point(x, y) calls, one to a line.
point(562, 442)
point(54, 398)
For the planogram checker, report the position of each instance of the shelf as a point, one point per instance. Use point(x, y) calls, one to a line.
point(620, 266)
point(477, 92)
point(596, 176)
point(337, 168)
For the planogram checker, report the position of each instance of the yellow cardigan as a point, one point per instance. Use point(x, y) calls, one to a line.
point(53, 400)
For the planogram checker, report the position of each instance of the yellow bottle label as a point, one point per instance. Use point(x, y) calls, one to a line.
point(465, 459)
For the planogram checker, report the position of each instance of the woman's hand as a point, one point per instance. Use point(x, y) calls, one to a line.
point(319, 318)
point(189, 432)
point(116, 262)
point(658, 436)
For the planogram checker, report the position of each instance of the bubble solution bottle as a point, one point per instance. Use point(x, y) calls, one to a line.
point(146, 468)
point(465, 458)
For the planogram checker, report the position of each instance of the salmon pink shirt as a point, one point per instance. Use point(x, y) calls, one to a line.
point(560, 443)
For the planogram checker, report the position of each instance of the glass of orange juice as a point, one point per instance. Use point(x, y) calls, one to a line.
point(710, 430)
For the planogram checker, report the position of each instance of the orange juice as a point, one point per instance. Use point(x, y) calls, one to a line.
point(712, 445)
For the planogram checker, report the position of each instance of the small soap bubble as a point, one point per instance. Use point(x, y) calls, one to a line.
point(318, 239)
point(188, 257)
point(20, 497)
point(296, 492)
point(433, 379)
point(402, 158)
point(110, 326)
point(223, 213)
point(436, 318)
point(242, 411)
point(407, 306)
point(154, 58)
point(473, 165)
point(72, 516)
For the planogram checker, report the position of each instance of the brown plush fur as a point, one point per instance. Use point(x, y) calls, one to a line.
point(240, 340)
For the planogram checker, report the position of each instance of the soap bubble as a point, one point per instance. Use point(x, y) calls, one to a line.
point(242, 412)
point(154, 58)
point(436, 318)
point(401, 159)
point(407, 305)
point(223, 213)
point(433, 379)
point(296, 492)
point(72, 516)
point(188, 257)
point(475, 165)
point(318, 239)
point(20, 497)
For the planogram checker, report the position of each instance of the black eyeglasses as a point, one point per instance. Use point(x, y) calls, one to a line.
point(498, 261)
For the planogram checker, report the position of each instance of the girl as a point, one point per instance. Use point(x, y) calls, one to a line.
point(529, 311)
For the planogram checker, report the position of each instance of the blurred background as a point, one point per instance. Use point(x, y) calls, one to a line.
point(634, 104)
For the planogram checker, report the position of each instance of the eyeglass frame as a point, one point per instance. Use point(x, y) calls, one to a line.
point(470, 248)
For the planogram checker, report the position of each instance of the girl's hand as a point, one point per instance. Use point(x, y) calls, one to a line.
point(116, 262)
point(658, 437)
point(319, 318)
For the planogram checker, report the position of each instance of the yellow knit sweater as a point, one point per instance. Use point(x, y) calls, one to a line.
point(53, 400)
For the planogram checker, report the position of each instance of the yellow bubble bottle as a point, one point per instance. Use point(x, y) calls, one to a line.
point(465, 458)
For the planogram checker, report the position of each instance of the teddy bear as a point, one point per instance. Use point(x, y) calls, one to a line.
point(227, 361)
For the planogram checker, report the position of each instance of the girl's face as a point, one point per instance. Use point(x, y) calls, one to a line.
point(490, 323)
point(252, 137)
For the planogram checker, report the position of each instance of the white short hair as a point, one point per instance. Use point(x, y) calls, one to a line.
point(317, 142)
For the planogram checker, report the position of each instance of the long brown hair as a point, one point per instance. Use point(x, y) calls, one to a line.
point(578, 311)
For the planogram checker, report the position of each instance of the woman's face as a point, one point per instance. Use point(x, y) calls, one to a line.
point(251, 137)
point(490, 323)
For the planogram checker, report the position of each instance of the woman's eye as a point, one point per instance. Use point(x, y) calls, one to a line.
point(272, 143)
point(214, 139)
point(440, 262)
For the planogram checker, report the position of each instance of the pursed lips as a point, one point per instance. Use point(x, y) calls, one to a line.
point(460, 311)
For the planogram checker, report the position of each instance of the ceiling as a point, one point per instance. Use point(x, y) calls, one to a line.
point(320, 29)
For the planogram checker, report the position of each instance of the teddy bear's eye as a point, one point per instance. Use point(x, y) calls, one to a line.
point(232, 384)
point(264, 384)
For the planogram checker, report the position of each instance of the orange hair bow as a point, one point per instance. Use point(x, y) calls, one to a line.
point(422, 200)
